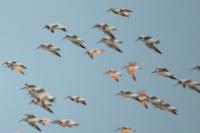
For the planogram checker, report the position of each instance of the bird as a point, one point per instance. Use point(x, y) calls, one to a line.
point(131, 68)
point(32, 120)
point(13, 65)
point(111, 42)
point(53, 27)
point(193, 85)
point(197, 68)
point(161, 104)
point(50, 48)
point(140, 96)
point(120, 11)
point(42, 103)
point(164, 72)
point(65, 123)
point(94, 52)
point(150, 43)
point(125, 129)
point(113, 74)
point(75, 40)
point(39, 93)
point(44, 121)
point(77, 99)
point(107, 29)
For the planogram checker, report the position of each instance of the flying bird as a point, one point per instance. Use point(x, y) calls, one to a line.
point(65, 123)
point(75, 40)
point(140, 96)
point(32, 120)
point(131, 68)
point(13, 65)
point(193, 85)
point(113, 74)
point(164, 72)
point(111, 42)
point(107, 29)
point(120, 11)
point(53, 27)
point(197, 68)
point(50, 48)
point(94, 52)
point(44, 121)
point(161, 104)
point(150, 43)
point(125, 129)
point(42, 103)
point(77, 99)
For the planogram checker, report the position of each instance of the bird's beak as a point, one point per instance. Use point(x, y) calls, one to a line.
point(137, 39)
point(21, 120)
point(93, 27)
point(153, 71)
point(109, 10)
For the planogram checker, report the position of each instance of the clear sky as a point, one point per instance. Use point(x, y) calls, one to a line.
point(174, 22)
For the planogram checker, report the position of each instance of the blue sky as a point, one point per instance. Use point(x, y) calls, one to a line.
point(174, 23)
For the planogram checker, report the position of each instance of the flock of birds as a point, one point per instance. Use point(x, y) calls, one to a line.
point(43, 99)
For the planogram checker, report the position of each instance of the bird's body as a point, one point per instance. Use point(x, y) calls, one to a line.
point(140, 96)
point(50, 48)
point(13, 65)
point(111, 42)
point(150, 43)
point(75, 40)
point(125, 129)
point(193, 85)
point(32, 121)
point(77, 99)
point(113, 74)
point(164, 72)
point(94, 52)
point(53, 27)
point(65, 123)
point(131, 68)
point(107, 29)
point(120, 11)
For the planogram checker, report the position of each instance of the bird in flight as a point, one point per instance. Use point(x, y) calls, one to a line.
point(13, 65)
point(131, 68)
point(164, 72)
point(120, 11)
point(94, 52)
point(75, 40)
point(197, 68)
point(77, 99)
point(53, 27)
point(113, 74)
point(50, 48)
point(150, 43)
point(111, 42)
point(125, 129)
point(140, 96)
point(65, 123)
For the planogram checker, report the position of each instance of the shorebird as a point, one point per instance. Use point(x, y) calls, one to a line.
point(113, 74)
point(161, 104)
point(44, 122)
point(13, 65)
point(150, 42)
point(94, 52)
point(140, 96)
point(131, 68)
point(32, 120)
point(107, 29)
point(65, 123)
point(164, 72)
point(196, 68)
point(50, 48)
point(120, 11)
point(125, 129)
point(43, 104)
point(77, 99)
point(75, 40)
point(111, 42)
point(39, 93)
point(193, 85)
point(53, 27)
